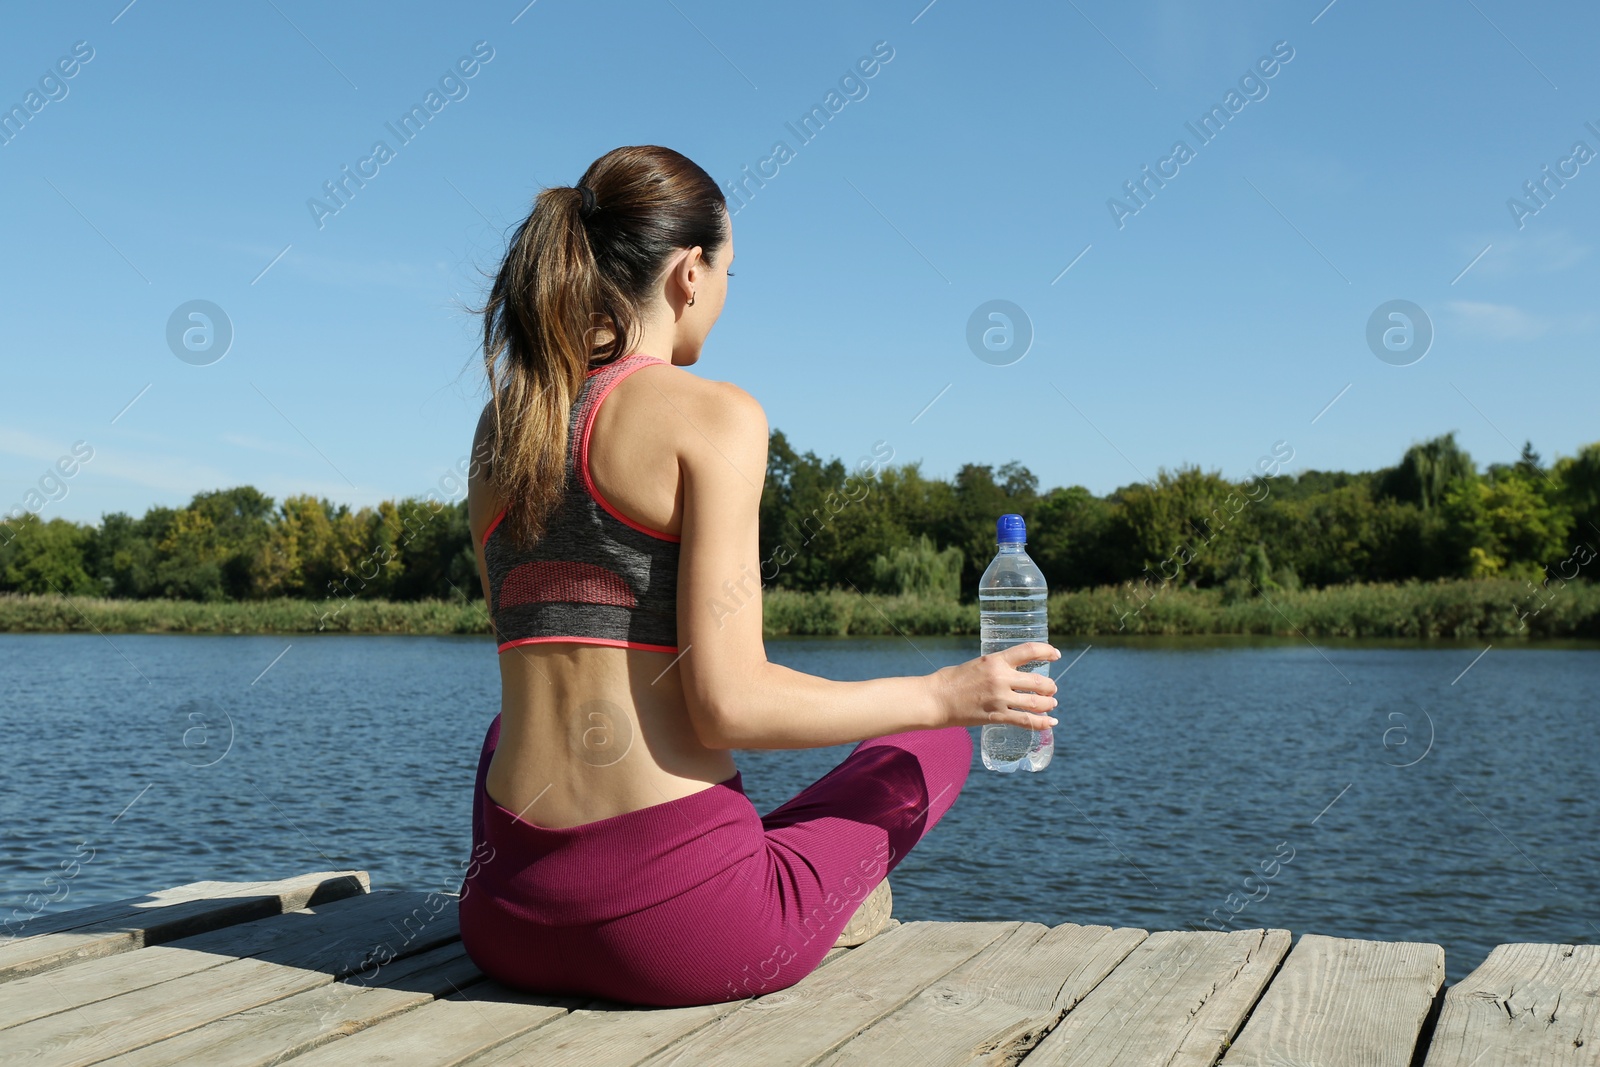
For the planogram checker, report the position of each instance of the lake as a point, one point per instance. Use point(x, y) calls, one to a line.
point(1436, 793)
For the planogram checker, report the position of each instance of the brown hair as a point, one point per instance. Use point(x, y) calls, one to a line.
point(564, 266)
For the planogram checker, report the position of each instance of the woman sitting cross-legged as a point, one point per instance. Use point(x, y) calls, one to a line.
point(613, 504)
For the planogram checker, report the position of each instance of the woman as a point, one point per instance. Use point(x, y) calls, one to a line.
point(614, 516)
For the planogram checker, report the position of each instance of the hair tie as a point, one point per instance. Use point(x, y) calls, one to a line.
point(587, 207)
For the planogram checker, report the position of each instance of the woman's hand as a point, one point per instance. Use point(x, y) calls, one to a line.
point(990, 689)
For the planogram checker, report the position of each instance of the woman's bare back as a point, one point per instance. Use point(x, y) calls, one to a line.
point(587, 731)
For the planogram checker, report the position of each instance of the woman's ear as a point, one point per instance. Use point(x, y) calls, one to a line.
point(692, 270)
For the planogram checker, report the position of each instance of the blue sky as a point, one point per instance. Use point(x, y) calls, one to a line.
point(976, 164)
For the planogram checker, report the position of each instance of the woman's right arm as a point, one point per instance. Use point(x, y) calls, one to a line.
point(736, 698)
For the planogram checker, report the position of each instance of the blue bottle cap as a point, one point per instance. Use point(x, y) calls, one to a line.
point(1011, 530)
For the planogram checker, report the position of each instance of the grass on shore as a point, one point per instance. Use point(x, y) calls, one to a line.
point(1488, 608)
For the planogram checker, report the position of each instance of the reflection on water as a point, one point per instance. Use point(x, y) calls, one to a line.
point(1360, 790)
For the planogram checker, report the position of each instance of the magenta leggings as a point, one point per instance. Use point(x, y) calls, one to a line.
point(699, 900)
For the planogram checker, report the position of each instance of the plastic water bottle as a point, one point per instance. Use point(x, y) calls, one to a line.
point(1011, 611)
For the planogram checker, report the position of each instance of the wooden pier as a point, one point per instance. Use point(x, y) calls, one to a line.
point(321, 969)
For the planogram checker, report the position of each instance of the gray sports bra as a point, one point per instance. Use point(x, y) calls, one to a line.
point(595, 577)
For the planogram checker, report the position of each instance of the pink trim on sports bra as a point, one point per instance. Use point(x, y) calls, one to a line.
point(492, 524)
point(583, 458)
point(608, 641)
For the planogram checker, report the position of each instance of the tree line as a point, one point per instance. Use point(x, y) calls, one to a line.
point(888, 528)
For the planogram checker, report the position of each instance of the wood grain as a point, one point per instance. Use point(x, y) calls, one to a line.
point(106, 929)
point(1176, 1000)
point(317, 969)
point(312, 949)
point(298, 1024)
point(1340, 1002)
point(448, 1032)
point(995, 1007)
point(1526, 1004)
point(608, 1034)
point(605, 1035)
point(114, 910)
point(283, 939)
point(834, 1003)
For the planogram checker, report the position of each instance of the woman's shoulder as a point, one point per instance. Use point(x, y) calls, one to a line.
point(717, 409)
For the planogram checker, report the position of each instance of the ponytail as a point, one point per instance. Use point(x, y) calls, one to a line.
point(574, 269)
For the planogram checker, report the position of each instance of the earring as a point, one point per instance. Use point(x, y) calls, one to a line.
point(691, 301)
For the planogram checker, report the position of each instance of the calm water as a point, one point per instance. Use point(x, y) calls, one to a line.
point(1416, 802)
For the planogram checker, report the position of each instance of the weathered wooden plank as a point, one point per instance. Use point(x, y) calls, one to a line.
point(325, 947)
point(279, 938)
point(607, 1034)
point(1526, 1004)
point(996, 1006)
point(50, 992)
point(1176, 1000)
point(295, 891)
point(106, 929)
point(835, 952)
point(447, 1032)
point(834, 1003)
point(114, 910)
point(348, 937)
point(310, 1020)
point(1343, 1001)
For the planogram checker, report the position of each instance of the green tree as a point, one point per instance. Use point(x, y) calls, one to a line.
point(1068, 539)
point(122, 555)
point(1310, 483)
point(46, 557)
point(190, 557)
point(240, 521)
point(1504, 527)
point(1579, 479)
point(801, 496)
point(1185, 527)
point(821, 523)
point(920, 568)
point(916, 503)
point(1530, 462)
point(878, 525)
point(1428, 471)
point(1249, 573)
point(431, 544)
point(1351, 534)
point(977, 500)
point(317, 549)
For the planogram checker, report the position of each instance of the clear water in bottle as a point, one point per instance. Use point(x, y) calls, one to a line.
point(1011, 610)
